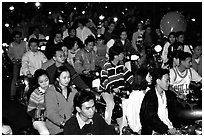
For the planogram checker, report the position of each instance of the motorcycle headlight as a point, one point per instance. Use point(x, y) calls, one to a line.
point(134, 57)
point(158, 48)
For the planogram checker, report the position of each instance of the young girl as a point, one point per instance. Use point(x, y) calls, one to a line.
point(36, 106)
point(59, 101)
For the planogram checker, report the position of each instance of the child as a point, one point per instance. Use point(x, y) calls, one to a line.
point(36, 106)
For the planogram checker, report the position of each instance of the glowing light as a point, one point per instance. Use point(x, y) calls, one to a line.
point(25, 39)
point(25, 2)
point(74, 8)
point(123, 13)
point(11, 8)
point(106, 7)
point(7, 25)
point(83, 12)
point(50, 12)
point(101, 17)
point(126, 9)
point(47, 37)
point(158, 48)
point(192, 19)
point(62, 11)
point(37, 4)
point(115, 19)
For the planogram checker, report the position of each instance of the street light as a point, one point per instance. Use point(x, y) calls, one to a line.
point(11, 8)
point(115, 19)
point(101, 17)
point(37, 4)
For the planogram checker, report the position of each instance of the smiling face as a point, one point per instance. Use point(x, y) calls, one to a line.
point(64, 79)
point(43, 82)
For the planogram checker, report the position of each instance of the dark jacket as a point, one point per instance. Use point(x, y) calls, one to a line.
point(75, 78)
point(148, 113)
point(99, 127)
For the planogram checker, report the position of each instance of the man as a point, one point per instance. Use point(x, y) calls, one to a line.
point(86, 121)
point(109, 33)
point(154, 113)
point(82, 32)
point(71, 39)
point(125, 43)
point(85, 60)
point(59, 60)
point(15, 52)
point(32, 59)
point(113, 77)
point(182, 75)
point(53, 44)
point(36, 34)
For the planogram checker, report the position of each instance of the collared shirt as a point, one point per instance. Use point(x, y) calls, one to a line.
point(81, 122)
point(82, 34)
point(31, 62)
point(162, 109)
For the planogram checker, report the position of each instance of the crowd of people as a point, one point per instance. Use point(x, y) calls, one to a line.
point(63, 101)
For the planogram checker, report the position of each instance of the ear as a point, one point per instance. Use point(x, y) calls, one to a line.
point(78, 109)
point(157, 81)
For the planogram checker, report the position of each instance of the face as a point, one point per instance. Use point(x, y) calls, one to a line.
point(176, 61)
point(87, 110)
point(59, 57)
point(120, 56)
point(139, 25)
point(180, 38)
point(148, 29)
point(65, 50)
point(43, 82)
point(198, 50)
point(187, 63)
point(112, 26)
point(89, 46)
point(164, 82)
point(64, 79)
point(17, 38)
point(123, 35)
point(76, 46)
point(172, 39)
point(33, 46)
point(149, 78)
point(58, 38)
point(72, 32)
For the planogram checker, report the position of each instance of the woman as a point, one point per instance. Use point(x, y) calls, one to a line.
point(36, 106)
point(171, 40)
point(140, 86)
point(59, 101)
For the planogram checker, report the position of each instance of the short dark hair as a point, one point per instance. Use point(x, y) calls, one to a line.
point(158, 74)
point(90, 38)
point(172, 33)
point(184, 55)
point(140, 82)
point(83, 96)
point(114, 50)
point(33, 40)
point(58, 32)
point(178, 33)
point(70, 29)
point(16, 33)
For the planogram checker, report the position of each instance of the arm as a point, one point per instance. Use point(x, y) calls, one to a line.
point(48, 63)
point(52, 106)
point(25, 65)
point(78, 65)
point(32, 105)
point(127, 75)
point(104, 79)
point(195, 76)
point(134, 38)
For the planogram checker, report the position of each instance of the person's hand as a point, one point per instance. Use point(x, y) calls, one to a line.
point(182, 96)
point(116, 90)
point(86, 72)
point(172, 131)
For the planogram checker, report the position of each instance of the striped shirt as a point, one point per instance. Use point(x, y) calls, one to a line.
point(37, 99)
point(114, 75)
